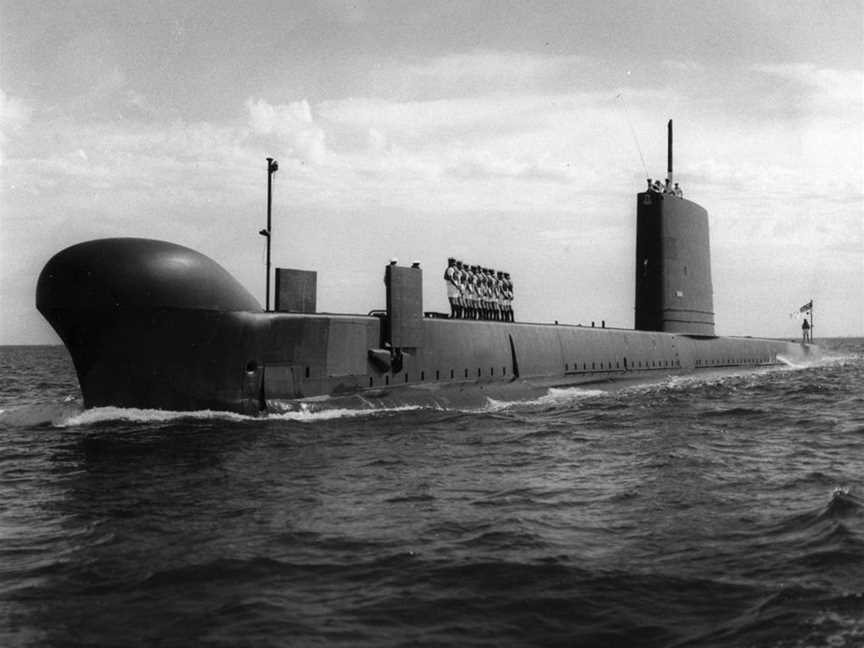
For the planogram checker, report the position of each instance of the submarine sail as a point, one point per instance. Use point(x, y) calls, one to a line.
point(674, 293)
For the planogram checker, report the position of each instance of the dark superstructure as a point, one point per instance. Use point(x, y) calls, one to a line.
point(673, 266)
point(673, 263)
point(151, 324)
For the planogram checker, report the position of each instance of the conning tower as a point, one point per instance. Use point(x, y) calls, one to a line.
point(673, 262)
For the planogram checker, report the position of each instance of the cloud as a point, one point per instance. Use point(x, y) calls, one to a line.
point(688, 67)
point(825, 88)
point(522, 136)
point(500, 70)
point(14, 115)
point(421, 153)
point(479, 72)
point(293, 124)
point(347, 12)
point(543, 149)
point(119, 167)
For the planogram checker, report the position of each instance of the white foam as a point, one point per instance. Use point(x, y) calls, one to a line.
point(102, 414)
point(827, 360)
point(493, 405)
point(307, 414)
point(730, 374)
point(568, 394)
point(798, 363)
point(554, 396)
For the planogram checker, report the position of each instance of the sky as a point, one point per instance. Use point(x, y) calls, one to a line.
point(513, 135)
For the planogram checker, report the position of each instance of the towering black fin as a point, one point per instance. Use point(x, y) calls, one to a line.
point(673, 263)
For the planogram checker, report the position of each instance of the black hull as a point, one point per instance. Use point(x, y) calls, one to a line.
point(153, 325)
point(253, 362)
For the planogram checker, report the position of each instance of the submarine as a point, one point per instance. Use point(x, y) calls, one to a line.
point(154, 325)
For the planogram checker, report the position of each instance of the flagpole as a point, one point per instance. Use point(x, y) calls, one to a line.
point(272, 167)
point(812, 337)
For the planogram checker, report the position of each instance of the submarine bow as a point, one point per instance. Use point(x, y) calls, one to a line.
point(151, 324)
point(122, 273)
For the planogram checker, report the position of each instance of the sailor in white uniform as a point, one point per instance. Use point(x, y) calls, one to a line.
point(482, 293)
point(508, 283)
point(450, 279)
point(459, 279)
point(473, 293)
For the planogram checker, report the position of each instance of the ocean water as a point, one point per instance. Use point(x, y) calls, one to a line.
point(722, 510)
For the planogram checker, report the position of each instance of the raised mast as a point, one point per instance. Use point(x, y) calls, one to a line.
point(669, 155)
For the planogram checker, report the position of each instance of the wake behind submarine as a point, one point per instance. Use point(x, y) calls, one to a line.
point(154, 325)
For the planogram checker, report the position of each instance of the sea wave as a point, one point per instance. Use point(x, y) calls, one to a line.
point(827, 359)
point(843, 503)
point(827, 534)
point(38, 414)
point(684, 382)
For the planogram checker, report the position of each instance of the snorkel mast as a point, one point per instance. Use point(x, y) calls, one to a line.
point(669, 154)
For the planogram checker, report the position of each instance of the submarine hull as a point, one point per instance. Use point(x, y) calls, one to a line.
point(153, 325)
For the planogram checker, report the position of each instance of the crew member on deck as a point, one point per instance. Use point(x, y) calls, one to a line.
point(487, 282)
point(498, 295)
point(451, 282)
point(482, 293)
point(471, 292)
point(498, 282)
point(678, 191)
point(805, 331)
point(509, 285)
point(460, 284)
